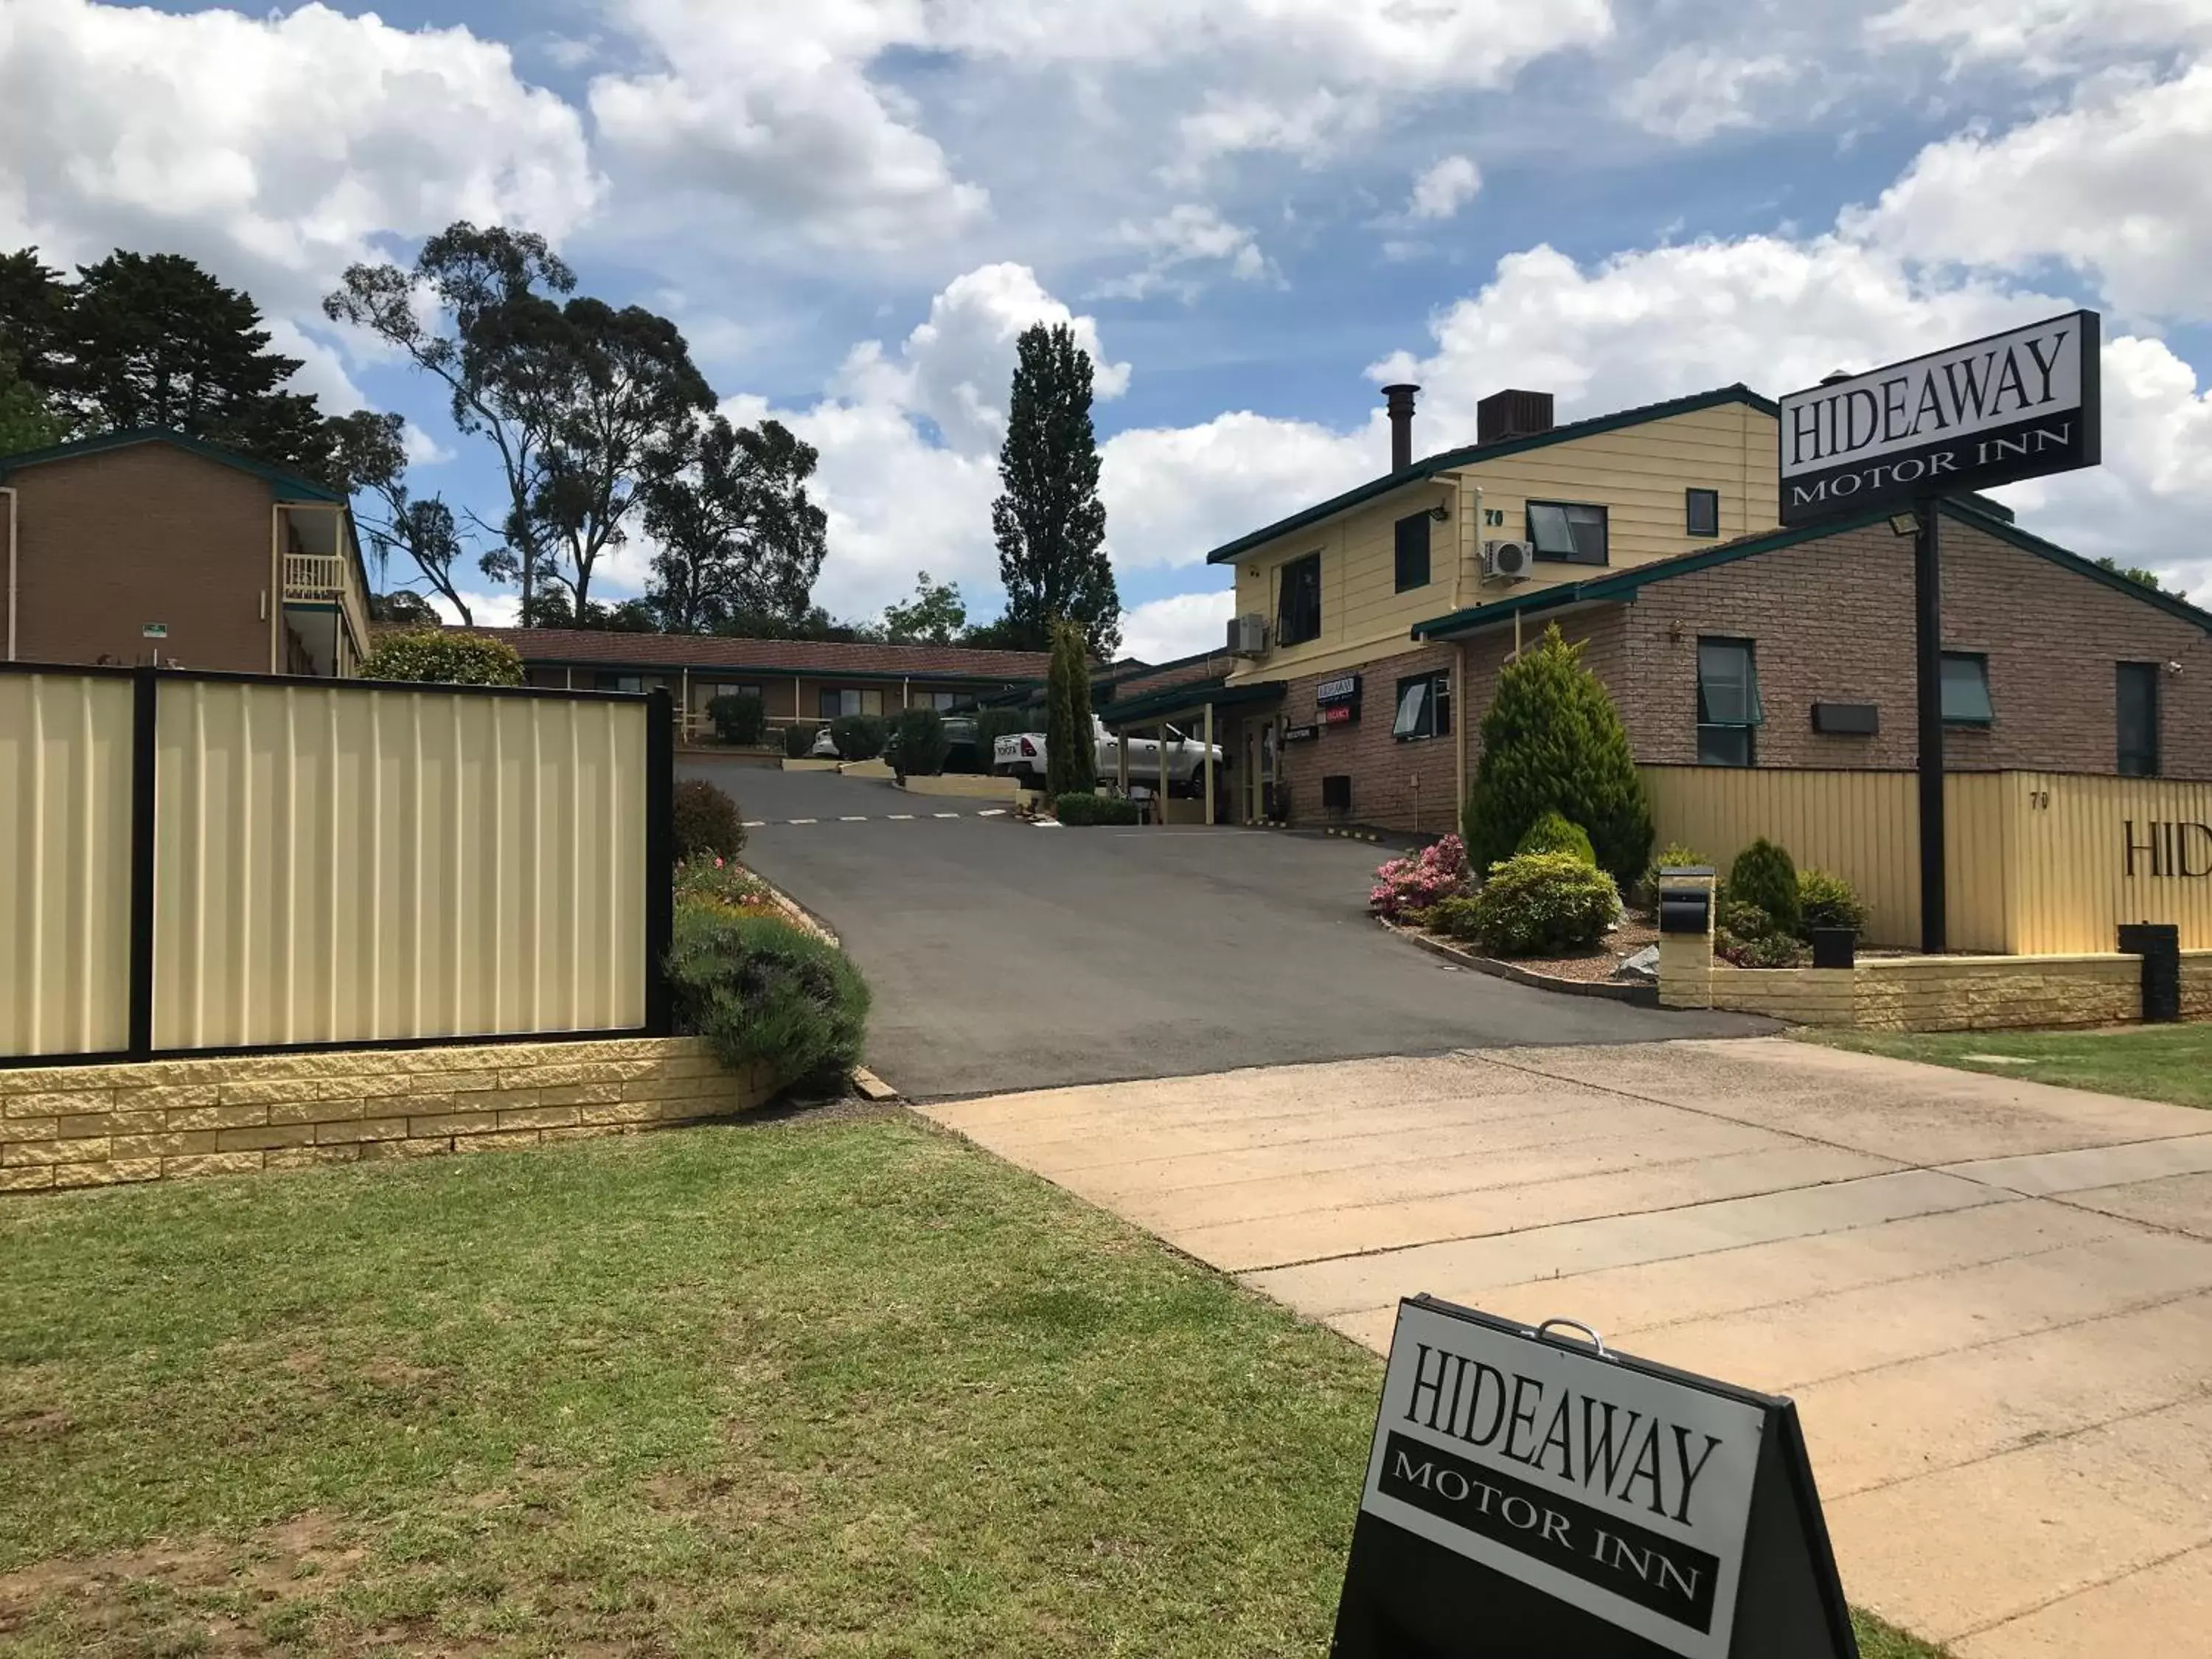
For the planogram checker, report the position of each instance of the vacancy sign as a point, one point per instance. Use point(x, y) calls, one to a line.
point(2012, 406)
point(1528, 1496)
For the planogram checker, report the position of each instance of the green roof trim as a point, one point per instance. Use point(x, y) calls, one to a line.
point(1625, 584)
point(1474, 453)
point(1155, 705)
point(291, 484)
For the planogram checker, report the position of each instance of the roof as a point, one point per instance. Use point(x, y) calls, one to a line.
point(581, 647)
point(1451, 458)
point(1172, 699)
point(288, 486)
point(1992, 519)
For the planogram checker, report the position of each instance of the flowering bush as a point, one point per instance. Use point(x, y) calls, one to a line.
point(709, 879)
point(1417, 882)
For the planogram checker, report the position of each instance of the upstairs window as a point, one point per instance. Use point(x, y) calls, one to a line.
point(1729, 712)
point(1569, 530)
point(1297, 615)
point(1414, 551)
point(1966, 690)
point(1424, 706)
point(1701, 512)
point(2137, 707)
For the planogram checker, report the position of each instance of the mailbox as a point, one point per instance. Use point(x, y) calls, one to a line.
point(1684, 908)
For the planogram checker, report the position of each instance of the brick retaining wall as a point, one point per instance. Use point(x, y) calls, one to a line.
point(95, 1125)
point(1938, 994)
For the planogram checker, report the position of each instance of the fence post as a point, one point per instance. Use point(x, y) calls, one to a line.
point(145, 705)
point(660, 858)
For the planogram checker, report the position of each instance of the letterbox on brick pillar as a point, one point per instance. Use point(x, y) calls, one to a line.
point(1685, 937)
point(2158, 945)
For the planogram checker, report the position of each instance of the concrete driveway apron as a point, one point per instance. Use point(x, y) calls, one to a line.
point(1992, 1299)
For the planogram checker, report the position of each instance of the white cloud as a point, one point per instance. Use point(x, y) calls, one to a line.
point(422, 448)
point(1174, 493)
point(1188, 235)
point(1444, 189)
point(2045, 38)
point(273, 147)
point(1181, 625)
point(501, 609)
point(1694, 91)
point(1310, 125)
point(2118, 187)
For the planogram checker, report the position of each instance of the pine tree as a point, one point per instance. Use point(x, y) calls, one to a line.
point(1049, 524)
point(1552, 742)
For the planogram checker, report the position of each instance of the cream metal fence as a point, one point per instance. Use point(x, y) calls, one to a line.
point(213, 863)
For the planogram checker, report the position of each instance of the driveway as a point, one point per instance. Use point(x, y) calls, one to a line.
point(1991, 1298)
point(1005, 956)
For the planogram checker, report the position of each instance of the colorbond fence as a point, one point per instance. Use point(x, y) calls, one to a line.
point(2037, 863)
point(210, 863)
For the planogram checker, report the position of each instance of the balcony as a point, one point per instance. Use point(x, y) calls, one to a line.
point(326, 612)
point(313, 579)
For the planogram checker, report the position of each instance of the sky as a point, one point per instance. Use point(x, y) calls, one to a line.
point(1255, 213)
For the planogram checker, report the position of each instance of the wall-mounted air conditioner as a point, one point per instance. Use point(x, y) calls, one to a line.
point(1512, 562)
point(1248, 635)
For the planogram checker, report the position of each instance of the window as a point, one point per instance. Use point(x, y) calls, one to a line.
point(1701, 512)
point(837, 701)
point(1424, 708)
point(1966, 689)
point(1414, 551)
point(2138, 704)
point(1563, 530)
point(1728, 710)
point(1297, 614)
point(941, 701)
point(710, 690)
point(621, 683)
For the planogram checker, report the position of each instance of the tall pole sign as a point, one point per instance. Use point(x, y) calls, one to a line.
point(2014, 405)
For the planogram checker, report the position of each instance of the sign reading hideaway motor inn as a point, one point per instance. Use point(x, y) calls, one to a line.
point(2012, 406)
point(1526, 1496)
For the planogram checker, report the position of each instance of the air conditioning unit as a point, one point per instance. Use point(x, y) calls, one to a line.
point(1512, 562)
point(1248, 635)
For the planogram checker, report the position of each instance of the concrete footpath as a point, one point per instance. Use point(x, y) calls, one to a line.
point(1991, 1298)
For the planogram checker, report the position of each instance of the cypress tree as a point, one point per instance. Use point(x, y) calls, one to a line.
point(1552, 742)
point(1060, 733)
point(1084, 761)
point(1049, 522)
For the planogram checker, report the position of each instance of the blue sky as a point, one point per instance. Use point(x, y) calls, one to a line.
point(1256, 211)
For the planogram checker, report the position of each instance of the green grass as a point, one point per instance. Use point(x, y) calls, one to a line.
point(846, 1389)
point(2153, 1062)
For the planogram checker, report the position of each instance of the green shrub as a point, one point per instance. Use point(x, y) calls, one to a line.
point(1743, 921)
point(440, 657)
point(738, 717)
point(1458, 916)
point(919, 745)
point(1763, 875)
point(1552, 742)
point(1826, 900)
point(1553, 834)
point(858, 736)
point(763, 992)
point(1770, 950)
point(1080, 807)
point(1542, 904)
point(707, 822)
point(797, 741)
point(1673, 856)
point(705, 880)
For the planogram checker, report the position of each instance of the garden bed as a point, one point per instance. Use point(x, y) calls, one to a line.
point(1592, 975)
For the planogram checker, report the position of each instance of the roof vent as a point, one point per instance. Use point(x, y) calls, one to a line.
point(1401, 425)
point(1505, 415)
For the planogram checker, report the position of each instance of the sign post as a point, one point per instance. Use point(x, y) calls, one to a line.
point(1529, 1497)
point(2014, 405)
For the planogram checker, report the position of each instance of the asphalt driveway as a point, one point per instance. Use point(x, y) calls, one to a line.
point(1007, 957)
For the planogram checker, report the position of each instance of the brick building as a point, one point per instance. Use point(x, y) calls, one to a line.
point(148, 546)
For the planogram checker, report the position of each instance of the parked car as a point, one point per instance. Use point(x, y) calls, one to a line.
point(1021, 754)
point(825, 746)
point(964, 752)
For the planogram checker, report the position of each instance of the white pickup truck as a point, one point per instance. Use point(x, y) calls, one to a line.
point(1021, 755)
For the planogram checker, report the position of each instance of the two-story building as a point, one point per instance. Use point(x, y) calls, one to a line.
point(152, 547)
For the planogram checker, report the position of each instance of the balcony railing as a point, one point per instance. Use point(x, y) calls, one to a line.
point(320, 577)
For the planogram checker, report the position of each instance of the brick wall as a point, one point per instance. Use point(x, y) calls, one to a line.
point(110, 542)
point(1411, 786)
point(97, 1126)
point(1935, 993)
point(1832, 622)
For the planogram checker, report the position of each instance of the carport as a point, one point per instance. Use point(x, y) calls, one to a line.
point(1194, 705)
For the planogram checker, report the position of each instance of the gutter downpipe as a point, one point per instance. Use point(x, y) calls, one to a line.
point(1465, 714)
point(9, 490)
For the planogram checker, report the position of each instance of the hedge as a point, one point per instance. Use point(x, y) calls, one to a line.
point(436, 656)
point(763, 991)
point(1085, 809)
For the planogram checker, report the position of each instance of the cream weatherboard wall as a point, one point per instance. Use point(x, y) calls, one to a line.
point(1639, 473)
point(343, 865)
point(64, 862)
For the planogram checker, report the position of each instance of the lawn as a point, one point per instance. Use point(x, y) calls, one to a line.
point(2153, 1062)
point(818, 1388)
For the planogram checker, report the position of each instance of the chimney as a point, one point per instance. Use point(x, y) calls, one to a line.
point(1506, 415)
point(1401, 425)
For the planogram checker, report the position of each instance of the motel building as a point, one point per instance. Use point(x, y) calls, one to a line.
point(1766, 675)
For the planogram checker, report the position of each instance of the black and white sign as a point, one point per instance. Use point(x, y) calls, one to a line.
point(1528, 1495)
point(2015, 405)
point(1344, 688)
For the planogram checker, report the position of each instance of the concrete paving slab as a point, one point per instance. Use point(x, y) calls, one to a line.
point(2041, 1174)
point(2159, 1610)
point(1472, 1270)
point(2097, 1507)
point(1280, 1241)
point(2181, 1204)
point(1915, 1114)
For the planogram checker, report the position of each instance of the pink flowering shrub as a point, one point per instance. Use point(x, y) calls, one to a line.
point(1415, 883)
